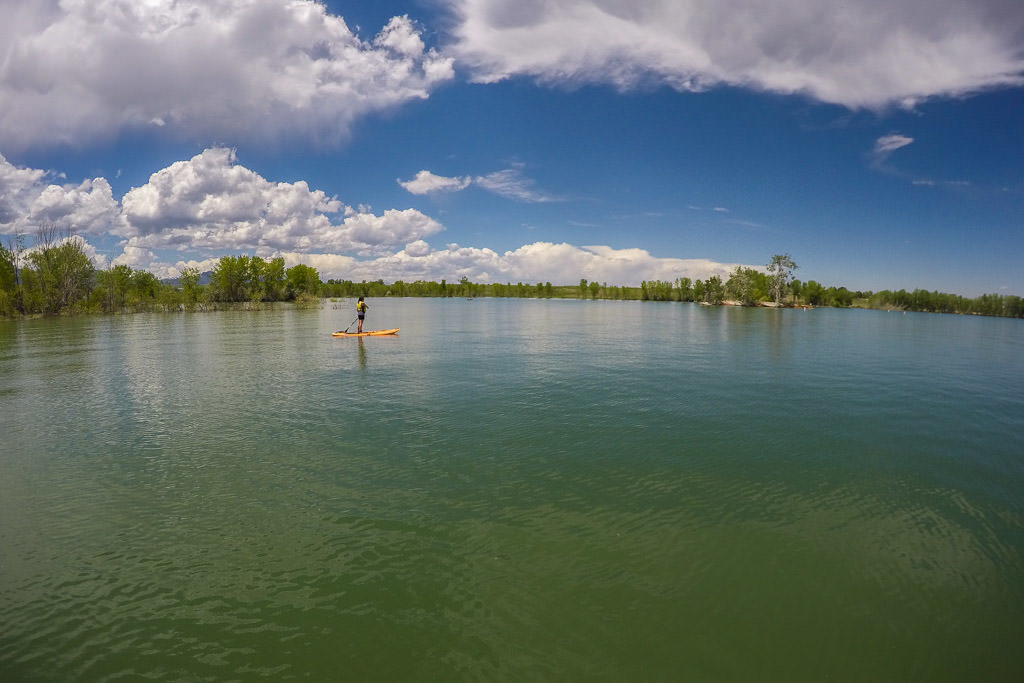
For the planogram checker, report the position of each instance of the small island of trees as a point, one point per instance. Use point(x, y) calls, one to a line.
point(56, 276)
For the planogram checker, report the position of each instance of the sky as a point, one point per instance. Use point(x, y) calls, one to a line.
point(880, 143)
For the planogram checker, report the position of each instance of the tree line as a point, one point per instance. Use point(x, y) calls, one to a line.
point(56, 276)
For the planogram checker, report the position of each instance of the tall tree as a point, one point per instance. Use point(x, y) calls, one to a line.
point(780, 272)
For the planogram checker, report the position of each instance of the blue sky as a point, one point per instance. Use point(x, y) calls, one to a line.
point(881, 144)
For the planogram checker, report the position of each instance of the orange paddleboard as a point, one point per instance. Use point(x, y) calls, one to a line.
point(371, 333)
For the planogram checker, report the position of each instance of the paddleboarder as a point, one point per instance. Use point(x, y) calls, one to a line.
point(361, 309)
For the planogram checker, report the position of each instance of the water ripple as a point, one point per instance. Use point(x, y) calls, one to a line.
point(240, 496)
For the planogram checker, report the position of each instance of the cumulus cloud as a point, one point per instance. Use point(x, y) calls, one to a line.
point(869, 53)
point(136, 257)
point(210, 202)
point(210, 206)
point(28, 200)
point(426, 182)
point(81, 70)
point(206, 204)
point(537, 262)
point(19, 187)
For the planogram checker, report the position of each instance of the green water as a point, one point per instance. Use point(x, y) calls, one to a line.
point(513, 491)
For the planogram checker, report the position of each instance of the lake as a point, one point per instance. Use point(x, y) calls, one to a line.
point(513, 490)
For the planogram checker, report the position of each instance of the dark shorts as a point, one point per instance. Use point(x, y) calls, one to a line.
point(361, 315)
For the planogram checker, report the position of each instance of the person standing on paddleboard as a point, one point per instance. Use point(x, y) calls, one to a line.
point(361, 309)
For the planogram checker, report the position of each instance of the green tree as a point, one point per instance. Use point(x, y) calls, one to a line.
point(102, 295)
point(839, 297)
point(796, 287)
point(814, 293)
point(118, 282)
point(230, 278)
point(189, 280)
point(266, 280)
point(256, 289)
point(64, 273)
point(8, 273)
point(145, 285)
point(780, 272)
point(685, 289)
point(742, 284)
point(714, 291)
point(303, 279)
point(8, 282)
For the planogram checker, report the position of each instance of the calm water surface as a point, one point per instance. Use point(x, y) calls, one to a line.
point(513, 491)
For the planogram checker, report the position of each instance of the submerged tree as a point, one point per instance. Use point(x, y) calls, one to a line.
point(780, 272)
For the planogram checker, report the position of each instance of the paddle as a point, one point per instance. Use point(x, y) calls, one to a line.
point(350, 325)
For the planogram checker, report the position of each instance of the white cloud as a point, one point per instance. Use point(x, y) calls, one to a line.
point(370, 234)
point(136, 257)
point(19, 187)
point(887, 144)
point(82, 70)
point(509, 183)
point(28, 200)
point(89, 206)
point(883, 149)
point(417, 248)
point(537, 262)
point(869, 53)
point(426, 182)
point(512, 184)
point(166, 271)
point(212, 203)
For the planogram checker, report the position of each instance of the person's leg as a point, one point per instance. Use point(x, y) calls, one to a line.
point(359, 327)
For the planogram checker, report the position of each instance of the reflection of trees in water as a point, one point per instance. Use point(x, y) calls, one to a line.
point(776, 337)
